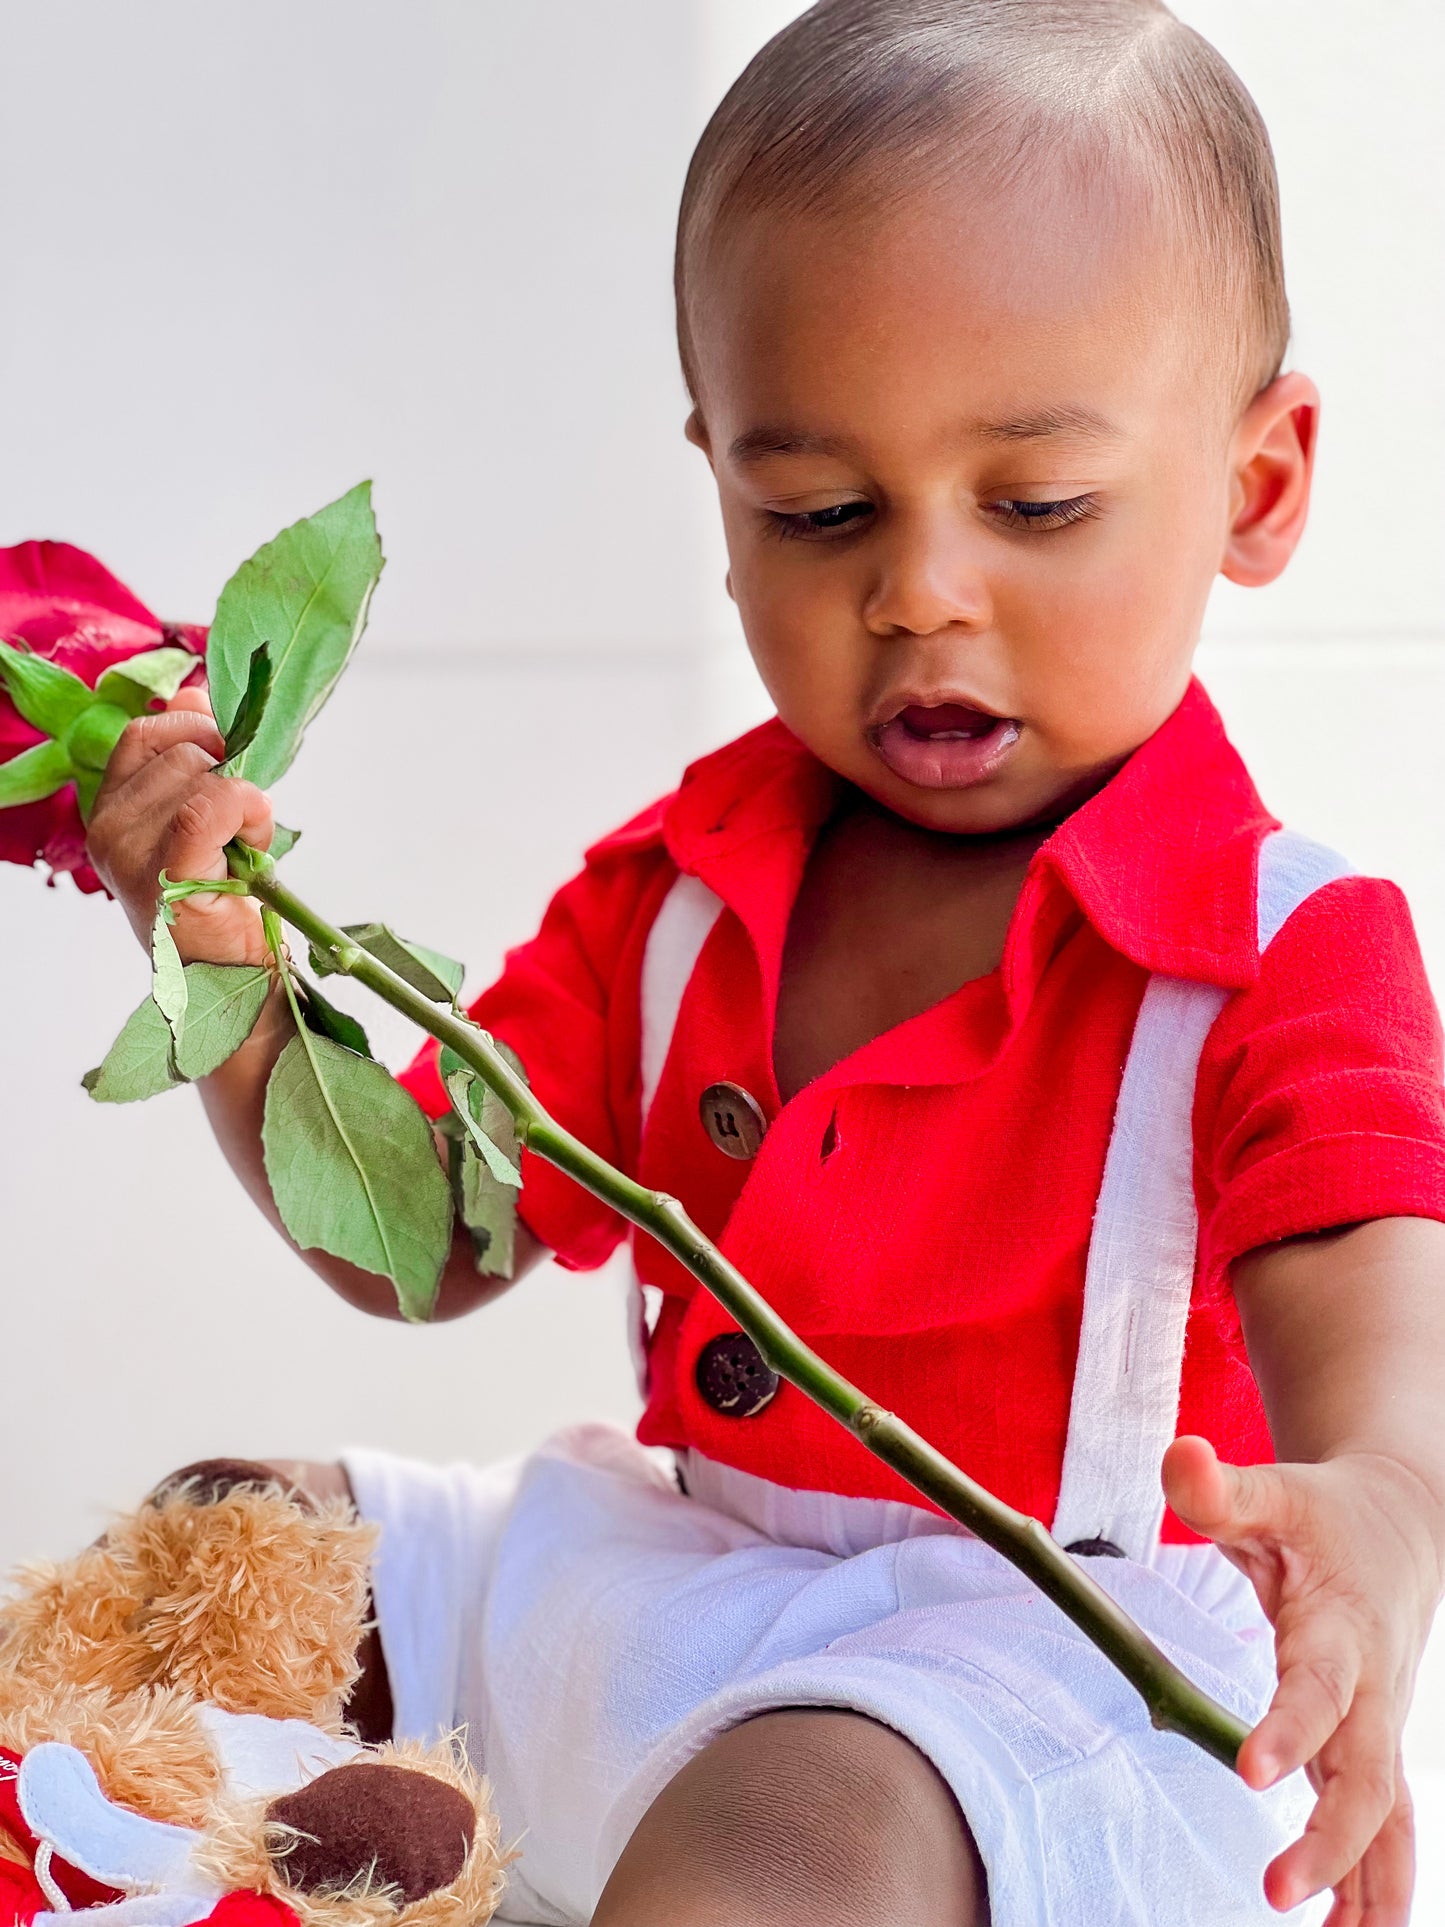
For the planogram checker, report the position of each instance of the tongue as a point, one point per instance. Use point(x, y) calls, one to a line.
point(946, 719)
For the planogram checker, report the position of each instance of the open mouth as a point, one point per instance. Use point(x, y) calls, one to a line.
point(944, 746)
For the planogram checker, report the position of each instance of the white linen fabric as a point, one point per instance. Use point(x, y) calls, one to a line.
point(592, 1628)
point(593, 1625)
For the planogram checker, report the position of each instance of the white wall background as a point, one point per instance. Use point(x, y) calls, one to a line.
point(261, 248)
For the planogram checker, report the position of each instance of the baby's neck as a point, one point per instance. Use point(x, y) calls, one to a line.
point(889, 919)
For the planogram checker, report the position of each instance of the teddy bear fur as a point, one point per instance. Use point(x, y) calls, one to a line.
point(242, 1596)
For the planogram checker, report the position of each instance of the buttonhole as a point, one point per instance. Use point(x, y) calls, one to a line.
point(830, 1139)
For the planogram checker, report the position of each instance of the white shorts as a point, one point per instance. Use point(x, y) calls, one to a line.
point(592, 1628)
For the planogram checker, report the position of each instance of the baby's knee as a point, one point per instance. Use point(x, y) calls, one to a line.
point(205, 1481)
point(806, 1814)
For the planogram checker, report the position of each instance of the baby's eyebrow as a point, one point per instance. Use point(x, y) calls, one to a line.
point(1083, 424)
point(757, 444)
point(1037, 425)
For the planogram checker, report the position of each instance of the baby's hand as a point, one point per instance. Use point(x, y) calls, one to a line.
point(162, 807)
point(1345, 1564)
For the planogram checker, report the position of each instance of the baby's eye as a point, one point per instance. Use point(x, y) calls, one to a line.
point(816, 523)
point(1046, 515)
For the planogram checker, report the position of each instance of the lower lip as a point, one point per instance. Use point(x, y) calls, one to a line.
point(944, 762)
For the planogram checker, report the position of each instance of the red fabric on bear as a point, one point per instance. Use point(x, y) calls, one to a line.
point(251, 1910)
point(79, 1889)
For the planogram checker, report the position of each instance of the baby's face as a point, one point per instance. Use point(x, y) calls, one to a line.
point(977, 476)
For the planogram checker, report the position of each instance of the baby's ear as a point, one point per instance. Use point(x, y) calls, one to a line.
point(695, 429)
point(1272, 458)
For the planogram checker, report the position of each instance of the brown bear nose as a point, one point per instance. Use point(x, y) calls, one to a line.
point(387, 1825)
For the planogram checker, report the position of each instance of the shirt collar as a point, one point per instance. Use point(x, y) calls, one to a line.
point(1162, 863)
point(1164, 860)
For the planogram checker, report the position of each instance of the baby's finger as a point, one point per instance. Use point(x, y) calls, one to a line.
point(1227, 1503)
point(1319, 1669)
point(150, 736)
point(211, 813)
point(198, 701)
point(1360, 1793)
point(1378, 1891)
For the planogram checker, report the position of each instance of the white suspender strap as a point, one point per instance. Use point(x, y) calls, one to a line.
point(1140, 1275)
point(674, 944)
point(679, 930)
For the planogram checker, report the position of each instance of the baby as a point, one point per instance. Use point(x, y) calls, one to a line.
point(983, 1013)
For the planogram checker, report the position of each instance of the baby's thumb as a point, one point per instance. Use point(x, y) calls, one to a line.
point(1223, 1502)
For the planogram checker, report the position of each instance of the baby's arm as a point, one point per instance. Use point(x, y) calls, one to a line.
point(163, 807)
point(1344, 1540)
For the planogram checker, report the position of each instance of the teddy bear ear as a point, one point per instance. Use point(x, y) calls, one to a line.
point(403, 1828)
point(61, 1802)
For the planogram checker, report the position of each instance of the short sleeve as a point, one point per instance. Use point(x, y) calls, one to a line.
point(566, 1004)
point(1319, 1101)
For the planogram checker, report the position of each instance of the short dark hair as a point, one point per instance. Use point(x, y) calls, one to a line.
point(855, 96)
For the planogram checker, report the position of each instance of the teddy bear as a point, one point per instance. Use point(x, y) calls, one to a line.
point(174, 1745)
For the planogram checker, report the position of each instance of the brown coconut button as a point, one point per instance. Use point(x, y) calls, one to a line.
point(733, 1120)
point(733, 1376)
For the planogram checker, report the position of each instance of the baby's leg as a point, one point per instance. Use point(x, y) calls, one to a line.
point(807, 1815)
point(369, 1710)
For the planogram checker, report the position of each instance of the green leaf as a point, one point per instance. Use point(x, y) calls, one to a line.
point(94, 734)
point(168, 982)
point(323, 1016)
point(223, 1002)
point(306, 594)
point(283, 842)
point(486, 1208)
point(353, 1168)
point(140, 1063)
point(469, 1100)
point(47, 696)
point(35, 773)
point(426, 970)
point(134, 684)
point(242, 733)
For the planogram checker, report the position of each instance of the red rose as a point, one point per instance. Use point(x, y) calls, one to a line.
point(60, 603)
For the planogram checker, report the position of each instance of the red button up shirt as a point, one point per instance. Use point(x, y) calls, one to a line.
point(921, 1213)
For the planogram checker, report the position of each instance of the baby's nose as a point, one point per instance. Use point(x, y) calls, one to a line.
point(930, 576)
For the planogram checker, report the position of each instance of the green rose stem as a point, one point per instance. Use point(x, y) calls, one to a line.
point(1175, 1704)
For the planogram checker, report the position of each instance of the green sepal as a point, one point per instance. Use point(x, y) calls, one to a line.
point(324, 1017)
point(94, 734)
point(306, 594)
point(354, 1170)
point(242, 733)
point(426, 970)
point(140, 1063)
point(34, 774)
point(168, 978)
point(223, 1002)
point(47, 696)
point(184, 887)
point(283, 842)
point(87, 788)
point(154, 675)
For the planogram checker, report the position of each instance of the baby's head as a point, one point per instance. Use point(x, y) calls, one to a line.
point(982, 312)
